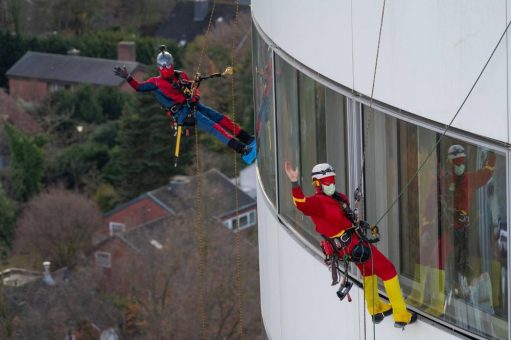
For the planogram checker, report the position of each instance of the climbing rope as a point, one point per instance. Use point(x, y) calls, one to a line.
point(199, 230)
point(362, 169)
point(239, 279)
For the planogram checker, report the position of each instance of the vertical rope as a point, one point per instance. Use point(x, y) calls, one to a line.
point(364, 148)
point(199, 230)
point(239, 278)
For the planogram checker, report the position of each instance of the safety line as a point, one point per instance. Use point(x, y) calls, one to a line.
point(239, 278)
point(199, 229)
point(439, 139)
point(363, 161)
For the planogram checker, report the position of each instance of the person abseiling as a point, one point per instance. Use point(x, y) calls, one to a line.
point(331, 220)
point(172, 90)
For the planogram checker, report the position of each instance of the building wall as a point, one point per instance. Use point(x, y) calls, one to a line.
point(430, 54)
point(115, 277)
point(28, 89)
point(136, 214)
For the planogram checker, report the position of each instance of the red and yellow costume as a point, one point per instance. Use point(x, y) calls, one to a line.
point(331, 221)
point(458, 189)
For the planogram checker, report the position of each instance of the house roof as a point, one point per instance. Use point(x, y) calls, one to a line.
point(180, 24)
point(70, 69)
point(218, 195)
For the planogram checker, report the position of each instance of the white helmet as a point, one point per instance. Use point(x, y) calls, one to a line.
point(164, 58)
point(455, 151)
point(322, 170)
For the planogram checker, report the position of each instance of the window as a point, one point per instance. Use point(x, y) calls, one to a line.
point(103, 259)
point(445, 233)
point(116, 228)
point(245, 220)
point(310, 130)
point(265, 119)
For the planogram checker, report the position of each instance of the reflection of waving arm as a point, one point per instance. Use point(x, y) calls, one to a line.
point(482, 176)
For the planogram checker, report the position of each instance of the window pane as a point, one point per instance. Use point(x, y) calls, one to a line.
point(263, 94)
point(311, 125)
point(447, 233)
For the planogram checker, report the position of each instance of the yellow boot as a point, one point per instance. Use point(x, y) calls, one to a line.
point(437, 285)
point(416, 296)
point(402, 316)
point(376, 308)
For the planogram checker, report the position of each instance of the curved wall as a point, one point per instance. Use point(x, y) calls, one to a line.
point(431, 53)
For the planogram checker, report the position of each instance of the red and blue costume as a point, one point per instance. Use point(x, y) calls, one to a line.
point(169, 94)
point(173, 90)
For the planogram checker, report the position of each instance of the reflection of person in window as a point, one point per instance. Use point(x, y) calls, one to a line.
point(326, 210)
point(461, 187)
point(458, 190)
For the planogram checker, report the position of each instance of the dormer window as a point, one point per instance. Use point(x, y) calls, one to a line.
point(116, 228)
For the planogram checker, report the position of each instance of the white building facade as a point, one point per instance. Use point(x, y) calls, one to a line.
point(314, 67)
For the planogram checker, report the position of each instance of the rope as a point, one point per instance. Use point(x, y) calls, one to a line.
point(239, 279)
point(439, 139)
point(363, 161)
point(199, 230)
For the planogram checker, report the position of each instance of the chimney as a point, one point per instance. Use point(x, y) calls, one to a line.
point(47, 275)
point(74, 52)
point(126, 51)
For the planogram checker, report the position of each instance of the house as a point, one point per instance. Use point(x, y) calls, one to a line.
point(178, 196)
point(220, 199)
point(191, 18)
point(62, 304)
point(141, 226)
point(36, 74)
point(134, 213)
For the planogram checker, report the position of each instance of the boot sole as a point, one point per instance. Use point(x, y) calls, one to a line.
point(377, 318)
point(403, 324)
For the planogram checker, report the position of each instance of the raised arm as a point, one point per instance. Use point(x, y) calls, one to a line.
point(145, 86)
point(307, 205)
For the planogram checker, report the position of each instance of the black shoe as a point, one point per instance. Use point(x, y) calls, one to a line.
point(378, 317)
point(403, 324)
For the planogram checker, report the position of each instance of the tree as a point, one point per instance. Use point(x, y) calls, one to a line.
point(144, 159)
point(167, 287)
point(7, 222)
point(57, 225)
point(27, 164)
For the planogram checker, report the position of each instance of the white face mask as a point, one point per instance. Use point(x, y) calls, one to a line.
point(328, 189)
point(459, 169)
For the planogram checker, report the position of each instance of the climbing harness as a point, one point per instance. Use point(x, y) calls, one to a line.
point(177, 120)
point(335, 249)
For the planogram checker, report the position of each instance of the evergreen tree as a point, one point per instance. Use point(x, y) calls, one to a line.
point(27, 163)
point(145, 158)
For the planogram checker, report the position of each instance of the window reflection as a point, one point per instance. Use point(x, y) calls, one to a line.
point(311, 126)
point(447, 232)
point(263, 95)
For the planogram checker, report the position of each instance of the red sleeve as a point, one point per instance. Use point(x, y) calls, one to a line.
point(144, 86)
point(307, 205)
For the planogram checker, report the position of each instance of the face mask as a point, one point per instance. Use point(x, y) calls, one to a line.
point(328, 189)
point(166, 73)
point(459, 169)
